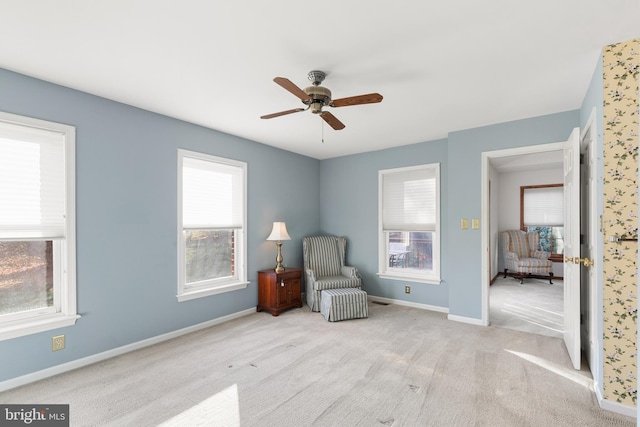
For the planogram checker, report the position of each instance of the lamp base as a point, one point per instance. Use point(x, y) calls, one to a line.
point(279, 268)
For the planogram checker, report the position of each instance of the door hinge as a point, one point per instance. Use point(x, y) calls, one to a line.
point(582, 319)
point(582, 159)
point(582, 239)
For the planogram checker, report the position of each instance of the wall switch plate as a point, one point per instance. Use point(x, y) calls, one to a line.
point(464, 224)
point(57, 343)
point(475, 223)
point(407, 289)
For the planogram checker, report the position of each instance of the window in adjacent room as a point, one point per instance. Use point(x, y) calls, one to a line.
point(37, 226)
point(541, 211)
point(409, 223)
point(211, 225)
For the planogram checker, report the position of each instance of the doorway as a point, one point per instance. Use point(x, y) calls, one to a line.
point(535, 306)
point(513, 157)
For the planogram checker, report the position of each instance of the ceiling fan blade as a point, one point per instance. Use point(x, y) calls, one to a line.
point(370, 98)
point(291, 87)
point(332, 120)
point(282, 113)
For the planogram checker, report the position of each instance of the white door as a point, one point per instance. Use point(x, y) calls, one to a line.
point(572, 247)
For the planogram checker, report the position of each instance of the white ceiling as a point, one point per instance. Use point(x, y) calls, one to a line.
point(441, 66)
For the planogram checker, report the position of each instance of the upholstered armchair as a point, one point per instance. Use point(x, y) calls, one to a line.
point(523, 257)
point(324, 267)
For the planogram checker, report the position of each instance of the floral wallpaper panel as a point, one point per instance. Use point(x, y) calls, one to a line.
point(620, 218)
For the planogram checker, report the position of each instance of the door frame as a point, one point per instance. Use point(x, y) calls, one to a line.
point(593, 346)
point(485, 203)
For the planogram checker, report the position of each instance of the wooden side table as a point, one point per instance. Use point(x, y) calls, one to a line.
point(278, 292)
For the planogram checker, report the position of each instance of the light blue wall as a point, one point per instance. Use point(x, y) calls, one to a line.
point(465, 151)
point(349, 207)
point(126, 220)
point(594, 98)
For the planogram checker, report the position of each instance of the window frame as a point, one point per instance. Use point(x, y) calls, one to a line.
point(432, 276)
point(64, 311)
point(523, 188)
point(213, 286)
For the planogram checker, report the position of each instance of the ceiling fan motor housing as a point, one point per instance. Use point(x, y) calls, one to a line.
point(320, 96)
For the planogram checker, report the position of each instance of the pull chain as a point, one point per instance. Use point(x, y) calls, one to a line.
point(322, 124)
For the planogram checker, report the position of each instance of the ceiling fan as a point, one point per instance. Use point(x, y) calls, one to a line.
point(315, 97)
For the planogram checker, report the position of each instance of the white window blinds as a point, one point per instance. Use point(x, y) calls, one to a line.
point(409, 200)
point(212, 194)
point(32, 183)
point(543, 207)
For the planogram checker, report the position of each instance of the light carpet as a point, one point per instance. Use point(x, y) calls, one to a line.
point(400, 367)
point(535, 306)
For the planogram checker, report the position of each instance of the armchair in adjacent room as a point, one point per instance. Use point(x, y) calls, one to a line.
point(523, 257)
point(324, 268)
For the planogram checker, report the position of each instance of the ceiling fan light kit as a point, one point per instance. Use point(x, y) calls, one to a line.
point(316, 96)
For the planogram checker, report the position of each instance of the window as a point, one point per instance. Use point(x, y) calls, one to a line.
point(409, 223)
point(211, 225)
point(37, 226)
point(542, 211)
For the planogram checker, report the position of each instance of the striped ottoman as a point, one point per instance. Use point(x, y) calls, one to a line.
point(344, 304)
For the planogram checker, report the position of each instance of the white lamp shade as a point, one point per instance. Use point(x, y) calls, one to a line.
point(279, 232)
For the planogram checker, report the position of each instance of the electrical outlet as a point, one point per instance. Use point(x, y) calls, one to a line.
point(57, 343)
point(407, 289)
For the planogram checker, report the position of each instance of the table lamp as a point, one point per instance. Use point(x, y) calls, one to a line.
point(278, 233)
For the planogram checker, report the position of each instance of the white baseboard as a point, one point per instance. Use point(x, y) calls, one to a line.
point(409, 304)
point(469, 320)
point(439, 309)
point(596, 390)
point(79, 363)
point(618, 408)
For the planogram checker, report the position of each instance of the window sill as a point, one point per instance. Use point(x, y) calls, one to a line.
point(20, 328)
point(200, 293)
point(408, 278)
